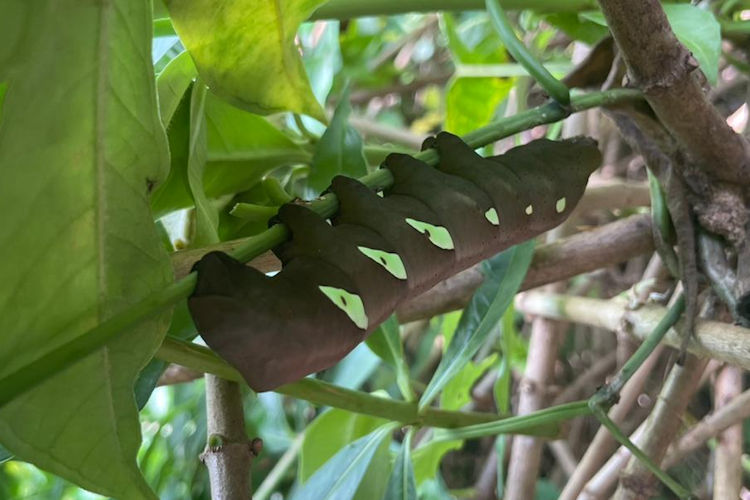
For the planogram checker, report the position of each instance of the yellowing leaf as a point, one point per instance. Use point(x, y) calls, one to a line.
point(244, 50)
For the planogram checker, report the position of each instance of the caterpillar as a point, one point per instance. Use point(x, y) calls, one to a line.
point(341, 278)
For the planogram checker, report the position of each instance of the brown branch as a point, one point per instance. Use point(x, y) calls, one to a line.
point(563, 259)
point(728, 466)
point(664, 70)
point(228, 454)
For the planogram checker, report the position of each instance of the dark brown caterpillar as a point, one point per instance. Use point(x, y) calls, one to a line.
point(339, 281)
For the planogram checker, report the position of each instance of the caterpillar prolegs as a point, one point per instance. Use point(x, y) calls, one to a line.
point(339, 281)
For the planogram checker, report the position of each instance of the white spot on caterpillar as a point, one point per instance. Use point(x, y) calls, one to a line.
point(491, 215)
point(348, 302)
point(438, 235)
point(560, 205)
point(390, 261)
point(529, 210)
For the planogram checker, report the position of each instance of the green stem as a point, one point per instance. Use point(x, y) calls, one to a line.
point(67, 354)
point(607, 395)
point(321, 393)
point(347, 9)
point(554, 87)
point(624, 440)
point(513, 424)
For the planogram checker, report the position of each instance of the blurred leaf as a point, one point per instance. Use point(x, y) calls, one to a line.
point(80, 117)
point(401, 484)
point(546, 490)
point(245, 51)
point(321, 55)
point(375, 481)
point(206, 216)
point(352, 371)
point(577, 27)
point(474, 40)
point(504, 273)
point(471, 102)
point(386, 343)
point(329, 433)
point(695, 27)
point(5, 455)
point(457, 392)
point(426, 459)
point(339, 151)
point(340, 476)
point(501, 445)
point(172, 83)
point(242, 148)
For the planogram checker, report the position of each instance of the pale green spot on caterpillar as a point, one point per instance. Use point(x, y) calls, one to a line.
point(348, 302)
point(390, 261)
point(438, 235)
point(529, 210)
point(560, 205)
point(491, 215)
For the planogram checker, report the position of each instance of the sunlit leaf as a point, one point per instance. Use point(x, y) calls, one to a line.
point(245, 51)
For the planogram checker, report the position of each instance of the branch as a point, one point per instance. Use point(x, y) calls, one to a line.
point(725, 342)
point(228, 454)
point(665, 70)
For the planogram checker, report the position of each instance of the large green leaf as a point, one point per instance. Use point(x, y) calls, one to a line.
point(341, 476)
point(339, 151)
point(330, 432)
point(245, 51)
point(80, 145)
point(695, 27)
point(504, 273)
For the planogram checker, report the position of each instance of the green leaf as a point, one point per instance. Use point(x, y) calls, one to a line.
point(330, 432)
point(504, 273)
point(172, 83)
point(80, 144)
point(245, 51)
point(386, 343)
point(576, 27)
point(471, 102)
point(457, 392)
point(426, 459)
point(339, 151)
point(206, 216)
point(242, 148)
point(341, 476)
point(695, 27)
point(402, 485)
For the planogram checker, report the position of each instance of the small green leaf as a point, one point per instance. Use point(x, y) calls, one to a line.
point(402, 485)
point(426, 459)
point(245, 51)
point(457, 392)
point(328, 433)
point(339, 151)
point(695, 27)
point(341, 476)
point(471, 102)
point(386, 343)
point(504, 273)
